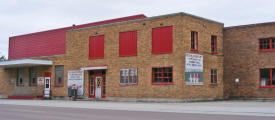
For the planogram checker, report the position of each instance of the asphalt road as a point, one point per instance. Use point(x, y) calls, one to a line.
point(23, 112)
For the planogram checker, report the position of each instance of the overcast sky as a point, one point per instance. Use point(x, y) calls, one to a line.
point(26, 16)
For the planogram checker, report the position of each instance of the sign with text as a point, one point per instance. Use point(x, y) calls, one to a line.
point(193, 69)
point(40, 81)
point(76, 80)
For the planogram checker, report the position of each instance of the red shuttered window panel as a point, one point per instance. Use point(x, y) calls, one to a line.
point(128, 43)
point(162, 40)
point(96, 47)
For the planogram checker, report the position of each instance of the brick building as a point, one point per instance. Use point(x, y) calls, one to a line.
point(249, 56)
point(175, 56)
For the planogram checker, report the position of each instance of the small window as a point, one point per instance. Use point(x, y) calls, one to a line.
point(194, 41)
point(128, 76)
point(267, 44)
point(33, 77)
point(214, 76)
point(59, 76)
point(163, 75)
point(267, 77)
point(20, 77)
point(214, 44)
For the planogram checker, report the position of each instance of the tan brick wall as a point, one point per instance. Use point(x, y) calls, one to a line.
point(9, 82)
point(3, 82)
point(243, 60)
point(77, 54)
point(9, 76)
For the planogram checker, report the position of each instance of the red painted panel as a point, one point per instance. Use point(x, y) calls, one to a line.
point(52, 42)
point(128, 43)
point(162, 40)
point(96, 47)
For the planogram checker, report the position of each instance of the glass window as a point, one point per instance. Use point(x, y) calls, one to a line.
point(128, 76)
point(214, 44)
point(20, 77)
point(265, 77)
point(214, 76)
point(163, 75)
point(59, 75)
point(33, 77)
point(267, 44)
point(194, 40)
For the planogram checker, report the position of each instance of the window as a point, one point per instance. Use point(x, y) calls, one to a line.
point(163, 75)
point(20, 77)
point(194, 41)
point(214, 45)
point(59, 76)
point(96, 47)
point(214, 76)
point(128, 76)
point(33, 77)
point(267, 44)
point(128, 43)
point(267, 77)
point(162, 40)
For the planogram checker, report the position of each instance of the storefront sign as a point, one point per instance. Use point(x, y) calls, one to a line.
point(193, 69)
point(76, 80)
point(40, 80)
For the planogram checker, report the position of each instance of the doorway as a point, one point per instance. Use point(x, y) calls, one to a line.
point(97, 84)
point(98, 88)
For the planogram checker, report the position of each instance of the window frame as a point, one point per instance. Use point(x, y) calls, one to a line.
point(212, 75)
point(270, 78)
point(214, 44)
point(128, 84)
point(269, 44)
point(193, 40)
point(162, 81)
point(32, 70)
point(56, 84)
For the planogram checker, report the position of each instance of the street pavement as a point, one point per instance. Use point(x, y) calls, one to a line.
point(100, 110)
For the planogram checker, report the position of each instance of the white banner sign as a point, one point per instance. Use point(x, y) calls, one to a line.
point(193, 62)
point(76, 79)
point(193, 69)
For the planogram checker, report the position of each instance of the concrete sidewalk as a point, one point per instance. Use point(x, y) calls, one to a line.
point(250, 108)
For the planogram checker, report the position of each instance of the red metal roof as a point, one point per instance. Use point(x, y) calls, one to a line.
point(51, 42)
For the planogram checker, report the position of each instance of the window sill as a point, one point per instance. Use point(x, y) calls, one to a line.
point(121, 84)
point(59, 86)
point(19, 85)
point(162, 83)
point(214, 53)
point(267, 50)
point(267, 86)
point(195, 50)
point(213, 84)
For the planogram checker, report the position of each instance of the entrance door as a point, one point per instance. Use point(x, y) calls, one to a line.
point(98, 82)
point(47, 87)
